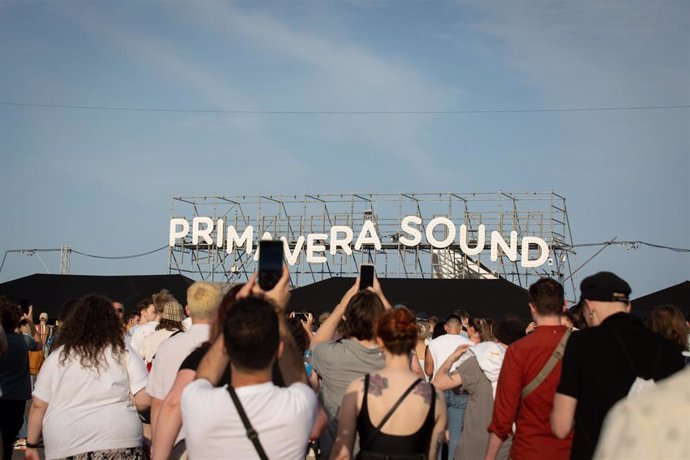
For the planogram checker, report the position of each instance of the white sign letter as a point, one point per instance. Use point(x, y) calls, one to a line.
point(430, 232)
point(174, 233)
point(344, 243)
point(292, 256)
point(205, 233)
point(481, 239)
point(407, 228)
point(544, 252)
point(368, 236)
point(220, 228)
point(233, 238)
point(497, 240)
point(312, 247)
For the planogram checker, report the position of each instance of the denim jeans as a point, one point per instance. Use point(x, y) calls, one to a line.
point(456, 405)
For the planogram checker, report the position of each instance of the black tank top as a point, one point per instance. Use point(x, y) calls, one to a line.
point(415, 445)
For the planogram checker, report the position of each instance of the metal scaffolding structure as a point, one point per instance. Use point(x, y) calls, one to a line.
point(537, 214)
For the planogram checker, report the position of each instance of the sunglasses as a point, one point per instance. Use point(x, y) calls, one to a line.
point(119, 310)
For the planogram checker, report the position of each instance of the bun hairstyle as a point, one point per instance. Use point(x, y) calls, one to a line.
point(423, 331)
point(398, 330)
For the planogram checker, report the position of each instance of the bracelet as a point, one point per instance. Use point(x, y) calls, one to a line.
point(30, 445)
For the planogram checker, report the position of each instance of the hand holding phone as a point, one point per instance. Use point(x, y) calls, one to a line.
point(366, 276)
point(270, 263)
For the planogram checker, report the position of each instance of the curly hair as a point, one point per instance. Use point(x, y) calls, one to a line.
point(90, 328)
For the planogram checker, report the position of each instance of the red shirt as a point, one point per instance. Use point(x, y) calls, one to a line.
point(524, 359)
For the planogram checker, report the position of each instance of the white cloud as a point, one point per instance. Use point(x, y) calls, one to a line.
point(341, 74)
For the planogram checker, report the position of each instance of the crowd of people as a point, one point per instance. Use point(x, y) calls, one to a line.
point(233, 374)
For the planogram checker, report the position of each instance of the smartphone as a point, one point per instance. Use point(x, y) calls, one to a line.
point(24, 304)
point(366, 276)
point(270, 263)
point(302, 316)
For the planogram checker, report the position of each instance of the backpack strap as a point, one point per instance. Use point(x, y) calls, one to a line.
point(548, 367)
point(251, 432)
point(390, 412)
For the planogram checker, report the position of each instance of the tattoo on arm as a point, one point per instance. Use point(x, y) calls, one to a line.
point(377, 384)
point(424, 390)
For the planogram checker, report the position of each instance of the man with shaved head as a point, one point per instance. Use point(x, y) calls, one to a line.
point(437, 352)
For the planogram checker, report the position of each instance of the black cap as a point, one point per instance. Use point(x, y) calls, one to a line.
point(605, 287)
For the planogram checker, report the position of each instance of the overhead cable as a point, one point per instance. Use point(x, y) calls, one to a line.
point(632, 244)
point(133, 256)
point(339, 112)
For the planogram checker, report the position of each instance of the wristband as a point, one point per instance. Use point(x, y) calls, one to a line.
point(30, 445)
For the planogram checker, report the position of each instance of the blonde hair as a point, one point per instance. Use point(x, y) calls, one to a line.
point(203, 299)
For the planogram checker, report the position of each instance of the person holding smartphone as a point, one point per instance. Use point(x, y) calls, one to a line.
point(339, 362)
point(255, 336)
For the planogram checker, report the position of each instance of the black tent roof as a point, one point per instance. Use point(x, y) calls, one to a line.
point(678, 295)
point(49, 292)
point(440, 297)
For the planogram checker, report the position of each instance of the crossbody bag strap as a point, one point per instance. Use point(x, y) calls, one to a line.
point(154, 355)
point(548, 367)
point(389, 414)
point(251, 432)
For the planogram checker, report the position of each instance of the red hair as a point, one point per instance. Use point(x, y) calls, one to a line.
point(398, 330)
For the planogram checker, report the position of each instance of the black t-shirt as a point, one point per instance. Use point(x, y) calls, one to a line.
point(600, 365)
point(192, 362)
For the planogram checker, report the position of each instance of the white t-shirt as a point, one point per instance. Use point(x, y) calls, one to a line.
point(283, 418)
point(153, 341)
point(169, 357)
point(187, 323)
point(442, 347)
point(138, 337)
point(89, 410)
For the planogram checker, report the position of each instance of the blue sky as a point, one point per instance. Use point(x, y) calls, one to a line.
point(100, 181)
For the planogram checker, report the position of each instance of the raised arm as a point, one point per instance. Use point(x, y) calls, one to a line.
point(328, 328)
point(444, 378)
point(214, 362)
point(379, 292)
